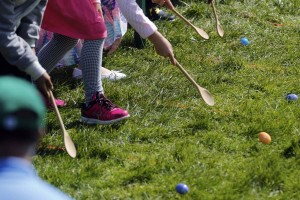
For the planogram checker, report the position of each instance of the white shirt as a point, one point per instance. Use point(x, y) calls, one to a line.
point(136, 18)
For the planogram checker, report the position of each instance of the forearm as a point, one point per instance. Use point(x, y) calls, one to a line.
point(162, 46)
point(13, 48)
point(155, 38)
point(20, 54)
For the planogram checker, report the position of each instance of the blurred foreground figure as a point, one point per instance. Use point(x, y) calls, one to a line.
point(22, 113)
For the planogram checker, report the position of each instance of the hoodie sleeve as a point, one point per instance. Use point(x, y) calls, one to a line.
point(30, 25)
point(13, 48)
point(136, 18)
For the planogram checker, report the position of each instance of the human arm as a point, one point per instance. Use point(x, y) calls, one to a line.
point(136, 18)
point(29, 30)
point(116, 25)
point(16, 51)
point(111, 49)
point(162, 2)
point(44, 84)
point(162, 46)
point(13, 48)
point(29, 27)
point(146, 29)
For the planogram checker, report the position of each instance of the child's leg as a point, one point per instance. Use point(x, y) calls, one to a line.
point(90, 64)
point(98, 109)
point(55, 50)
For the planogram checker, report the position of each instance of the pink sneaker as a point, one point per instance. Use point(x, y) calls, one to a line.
point(59, 103)
point(102, 111)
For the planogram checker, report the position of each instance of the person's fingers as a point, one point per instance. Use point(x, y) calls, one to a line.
point(43, 89)
point(172, 59)
point(169, 4)
point(112, 50)
point(160, 2)
point(114, 46)
point(48, 81)
point(48, 94)
point(50, 85)
point(47, 89)
point(44, 84)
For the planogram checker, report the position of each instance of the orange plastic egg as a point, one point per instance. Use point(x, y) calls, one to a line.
point(264, 137)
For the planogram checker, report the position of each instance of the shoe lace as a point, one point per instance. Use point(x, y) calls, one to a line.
point(103, 101)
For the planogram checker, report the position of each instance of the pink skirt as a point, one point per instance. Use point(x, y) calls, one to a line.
point(74, 18)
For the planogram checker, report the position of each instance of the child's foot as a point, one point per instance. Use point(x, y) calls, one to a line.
point(109, 74)
point(102, 111)
point(113, 75)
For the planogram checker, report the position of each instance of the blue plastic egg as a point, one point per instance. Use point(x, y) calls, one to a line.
point(182, 188)
point(244, 41)
point(292, 97)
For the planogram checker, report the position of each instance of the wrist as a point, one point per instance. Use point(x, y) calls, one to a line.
point(35, 70)
point(155, 37)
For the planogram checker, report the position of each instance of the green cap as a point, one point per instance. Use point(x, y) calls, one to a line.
point(17, 95)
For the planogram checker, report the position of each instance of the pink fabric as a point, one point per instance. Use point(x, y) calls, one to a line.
point(74, 18)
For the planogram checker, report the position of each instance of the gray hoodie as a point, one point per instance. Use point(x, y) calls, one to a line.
point(19, 29)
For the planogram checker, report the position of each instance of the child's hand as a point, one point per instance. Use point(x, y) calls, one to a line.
point(44, 84)
point(162, 46)
point(169, 4)
point(162, 2)
point(99, 9)
point(114, 46)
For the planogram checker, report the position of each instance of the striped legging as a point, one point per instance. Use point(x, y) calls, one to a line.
point(90, 61)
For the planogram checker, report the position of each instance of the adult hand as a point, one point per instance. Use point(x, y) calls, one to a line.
point(162, 46)
point(44, 84)
point(114, 46)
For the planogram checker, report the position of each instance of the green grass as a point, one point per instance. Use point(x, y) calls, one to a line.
point(172, 135)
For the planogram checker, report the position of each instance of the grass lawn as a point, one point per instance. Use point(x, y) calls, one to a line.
point(172, 136)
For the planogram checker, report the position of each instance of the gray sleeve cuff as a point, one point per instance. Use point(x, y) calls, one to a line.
point(35, 70)
point(31, 42)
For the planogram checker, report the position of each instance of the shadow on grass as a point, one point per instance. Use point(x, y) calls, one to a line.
point(63, 76)
point(292, 151)
point(78, 124)
point(99, 153)
point(50, 151)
